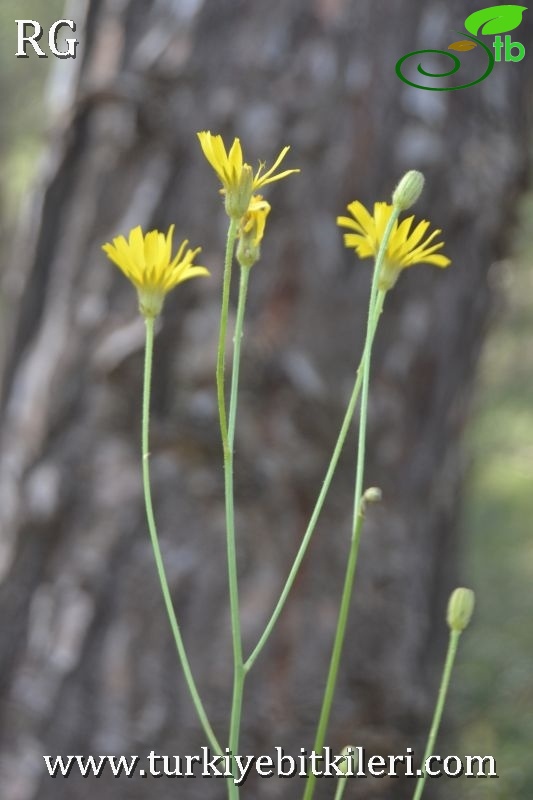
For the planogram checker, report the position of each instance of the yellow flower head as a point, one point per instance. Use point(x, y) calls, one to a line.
point(147, 261)
point(406, 246)
point(251, 231)
point(236, 176)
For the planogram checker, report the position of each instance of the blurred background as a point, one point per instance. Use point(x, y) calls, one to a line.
point(93, 146)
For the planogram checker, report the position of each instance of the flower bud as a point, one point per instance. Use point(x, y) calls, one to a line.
point(460, 609)
point(373, 494)
point(251, 231)
point(248, 253)
point(349, 764)
point(408, 190)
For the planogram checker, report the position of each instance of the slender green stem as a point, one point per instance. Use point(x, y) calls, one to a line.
point(148, 353)
point(221, 352)
point(228, 437)
point(345, 427)
point(341, 786)
point(437, 715)
point(335, 655)
point(373, 319)
point(238, 671)
point(239, 325)
point(377, 298)
point(227, 448)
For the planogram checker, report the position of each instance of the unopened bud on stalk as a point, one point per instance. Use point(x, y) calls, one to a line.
point(371, 495)
point(408, 190)
point(349, 764)
point(251, 231)
point(460, 609)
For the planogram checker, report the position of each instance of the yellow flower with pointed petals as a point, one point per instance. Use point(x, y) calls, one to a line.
point(235, 175)
point(146, 260)
point(406, 246)
point(251, 231)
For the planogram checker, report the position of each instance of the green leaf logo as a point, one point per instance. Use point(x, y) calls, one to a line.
point(495, 19)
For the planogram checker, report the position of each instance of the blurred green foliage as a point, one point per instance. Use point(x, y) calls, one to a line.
point(492, 705)
point(22, 85)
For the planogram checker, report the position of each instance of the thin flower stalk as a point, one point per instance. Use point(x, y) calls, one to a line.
point(341, 786)
point(147, 261)
point(453, 643)
point(339, 446)
point(395, 247)
point(375, 306)
point(386, 223)
point(239, 671)
point(460, 610)
point(247, 214)
point(250, 232)
point(221, 350)
point(152, 528)
point(227, 453)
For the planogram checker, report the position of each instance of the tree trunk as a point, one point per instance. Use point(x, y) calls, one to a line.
point(87, 661)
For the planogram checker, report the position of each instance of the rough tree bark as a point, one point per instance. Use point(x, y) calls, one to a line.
point(86, 658)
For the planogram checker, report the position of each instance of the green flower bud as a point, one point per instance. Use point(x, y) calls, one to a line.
point(373, 495)
point(248, 253)
point(408, 190)
point(351, 757)
point(251, 231)
point(460, 609)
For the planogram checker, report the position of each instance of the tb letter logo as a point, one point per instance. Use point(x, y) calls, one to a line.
point(23, 39)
